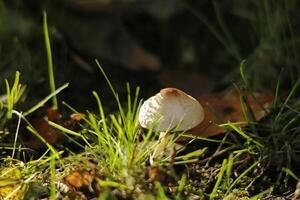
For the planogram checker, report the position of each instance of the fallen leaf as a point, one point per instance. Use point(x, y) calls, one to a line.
point(53, 115)
point(79, 179)
point(76, 117)
point(157, 174)
point(219, 108)
point(83, 182)
point(51, 135)
point(42, 127)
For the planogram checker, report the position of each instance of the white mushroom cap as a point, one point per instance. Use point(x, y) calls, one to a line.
point(170, 110)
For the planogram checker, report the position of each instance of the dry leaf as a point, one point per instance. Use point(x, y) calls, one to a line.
point(156, 174)
point(221, 108)
point(77, 116)
point(42, 127)
point(53, 115)
point(79, 179)
point(51, 135)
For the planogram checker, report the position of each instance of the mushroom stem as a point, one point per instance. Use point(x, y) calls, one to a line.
point(164, 139)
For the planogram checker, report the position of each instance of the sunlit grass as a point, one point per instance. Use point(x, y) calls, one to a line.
point(122, 150)
point(49, 59)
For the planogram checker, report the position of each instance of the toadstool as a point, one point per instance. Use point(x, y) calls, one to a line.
point(170, 110)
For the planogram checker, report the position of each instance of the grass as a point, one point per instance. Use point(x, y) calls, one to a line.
point(13, 94)
point(273, 145)
point(50, 61)
point(114, 141)
point(52, 178)
point(219, 179)
point(272, 40)
point(115, 153)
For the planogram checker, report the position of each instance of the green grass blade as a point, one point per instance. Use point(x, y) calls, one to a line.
point(292, 174)
point(295, 86)
point(277, 89)
point(242, 133)
point(135, 101)
point(243, 73)
point(12, 94)
point(241, 176)
point(49, 59)
point(35, 133)
point(181, 187)
point(128, 99)
point(262, 194)
point(220, 176)
point(229, 169)
point(103, 119)
point(113, 184)
point(9, 101)
point(42, 102)
point(161, 195)
point(106, 78)
point(52, 178)
point(288, 98)
point(105, 195)
point(68, 132)
point(195, 153)
point(61, 128)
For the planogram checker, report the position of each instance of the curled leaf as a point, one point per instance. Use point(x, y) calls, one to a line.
point(220, 108)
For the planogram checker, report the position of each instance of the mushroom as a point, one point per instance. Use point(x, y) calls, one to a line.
point(170, 110)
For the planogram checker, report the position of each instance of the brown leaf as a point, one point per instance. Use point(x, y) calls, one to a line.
point(53, 115)
point(221, 108)
point(51, 135)
point(79, 179)
point(157, 174)
point(43, 128)
point(84, 182)
point(77, 116)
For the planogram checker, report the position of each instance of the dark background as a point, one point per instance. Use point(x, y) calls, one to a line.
point(194, 45)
